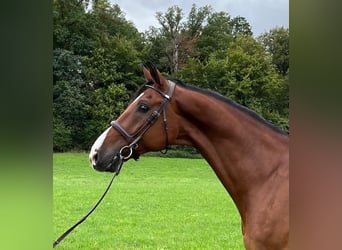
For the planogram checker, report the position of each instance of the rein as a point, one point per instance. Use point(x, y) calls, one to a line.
point(126, 152)
point(116, 172)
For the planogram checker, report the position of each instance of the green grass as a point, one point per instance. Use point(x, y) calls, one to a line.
point(155, 203)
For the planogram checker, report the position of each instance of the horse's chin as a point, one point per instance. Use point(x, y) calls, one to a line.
point(110, 166)
point(113, 164)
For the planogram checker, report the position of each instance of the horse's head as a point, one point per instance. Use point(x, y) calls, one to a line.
point(141, 128)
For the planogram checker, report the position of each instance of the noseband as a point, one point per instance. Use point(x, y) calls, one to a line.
point(129, 150)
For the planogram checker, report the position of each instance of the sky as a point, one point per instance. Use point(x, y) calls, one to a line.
point(262, 15)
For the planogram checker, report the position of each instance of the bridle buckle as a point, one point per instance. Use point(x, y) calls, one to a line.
point(126, 152)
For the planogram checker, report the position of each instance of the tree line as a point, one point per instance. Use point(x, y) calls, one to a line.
point(98, 57)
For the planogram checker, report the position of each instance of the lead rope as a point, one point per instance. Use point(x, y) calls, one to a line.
point(117, 171)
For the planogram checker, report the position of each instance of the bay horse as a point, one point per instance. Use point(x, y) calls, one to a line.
point(249, 155)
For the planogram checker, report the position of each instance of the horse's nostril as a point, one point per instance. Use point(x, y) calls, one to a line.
point(94, 158)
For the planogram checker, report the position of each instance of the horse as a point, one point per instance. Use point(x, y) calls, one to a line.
point(249, 155)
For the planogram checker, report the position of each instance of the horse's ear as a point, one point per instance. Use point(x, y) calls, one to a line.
point(151, 72)
point(147, 74)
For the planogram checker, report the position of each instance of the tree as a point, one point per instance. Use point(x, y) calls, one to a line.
point(68, 99)
point(171, 30)
point(196, 19)
point(255, 82)
point(215, 37)
point(276, 42)
point(95, 51)
point(72, 29)
point(109, 21)
point(176, 38)
point(62, 136)
point(240, 26)
point(218, 33)
point(154, 51)
point(116, 63)
point(246, 74)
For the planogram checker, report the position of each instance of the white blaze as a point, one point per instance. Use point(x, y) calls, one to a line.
point(97, 145)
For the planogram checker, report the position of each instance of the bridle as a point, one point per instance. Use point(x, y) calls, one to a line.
point(128, 151)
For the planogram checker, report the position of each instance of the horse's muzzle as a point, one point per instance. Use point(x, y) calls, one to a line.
point(105, 164)
point(114, 164)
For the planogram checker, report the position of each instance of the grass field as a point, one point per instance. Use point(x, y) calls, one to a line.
point(155, 203)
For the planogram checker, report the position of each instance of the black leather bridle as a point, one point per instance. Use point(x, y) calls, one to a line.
point(128, 151)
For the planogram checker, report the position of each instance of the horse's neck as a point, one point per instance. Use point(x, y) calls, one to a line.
point(242, 151)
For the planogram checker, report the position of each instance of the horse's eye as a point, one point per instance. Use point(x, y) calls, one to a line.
point(143, 108)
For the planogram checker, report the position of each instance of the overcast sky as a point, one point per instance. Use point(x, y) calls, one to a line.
point(262, 15)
